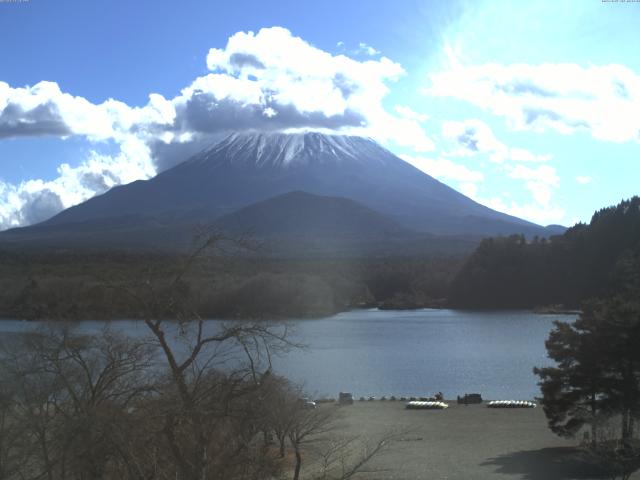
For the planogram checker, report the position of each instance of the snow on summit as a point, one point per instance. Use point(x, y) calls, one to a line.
point(283, 150)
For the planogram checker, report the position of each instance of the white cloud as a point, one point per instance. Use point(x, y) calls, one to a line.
point(540, 181)
point(44, 109)
point(444, 169)
point(469, 189)
point(542, 215)
point(542, 174)
point(367, 49)
point(583, 179)
point(269, 80)
point(306, 88)
point(33, 201)
point(410, 114)
point(287, 71)
point(457, 175)
point(401, 131)
point(472, 136)
point(603, 100)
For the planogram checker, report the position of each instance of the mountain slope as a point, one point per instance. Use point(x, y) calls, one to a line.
point(303, 214)
point(246, 168)
point(296, 224)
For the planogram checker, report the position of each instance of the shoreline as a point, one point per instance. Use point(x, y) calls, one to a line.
point(534, 311)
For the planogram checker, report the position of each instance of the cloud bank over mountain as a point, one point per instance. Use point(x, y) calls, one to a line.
point(267, 81)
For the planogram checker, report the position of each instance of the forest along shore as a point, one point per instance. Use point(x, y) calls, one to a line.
point(76, 286)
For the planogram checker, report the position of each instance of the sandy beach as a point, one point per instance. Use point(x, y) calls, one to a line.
point(467, 442)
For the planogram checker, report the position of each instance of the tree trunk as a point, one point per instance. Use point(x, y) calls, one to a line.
point(594, 427)
point(45, 453)
point(203, 466)
point(282, 446)
point(625, 425)
point(296, 473)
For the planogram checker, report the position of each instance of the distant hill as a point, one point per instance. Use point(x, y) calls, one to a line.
point(587, 261)
point(302, 224)
point(293, 224)
point(303, 214)
point(248, 168)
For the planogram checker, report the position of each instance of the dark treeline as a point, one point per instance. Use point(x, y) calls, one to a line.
point(588, 261)
point(77, 285)
point(505, 272)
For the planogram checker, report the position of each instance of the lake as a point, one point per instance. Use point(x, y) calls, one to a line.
point(405, 353)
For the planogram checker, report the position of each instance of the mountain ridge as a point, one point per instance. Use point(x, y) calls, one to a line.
point(316, 215)
point(247, 168)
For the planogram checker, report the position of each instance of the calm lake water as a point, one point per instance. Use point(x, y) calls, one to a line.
point(404, 353)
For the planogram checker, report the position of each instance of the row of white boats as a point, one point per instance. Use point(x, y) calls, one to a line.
point(511, 404)
point(419, 405)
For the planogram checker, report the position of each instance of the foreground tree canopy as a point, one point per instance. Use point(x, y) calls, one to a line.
point(593, 392)
point(598, 369)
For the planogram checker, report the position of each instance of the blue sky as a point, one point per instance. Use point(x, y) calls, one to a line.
point(532, 108)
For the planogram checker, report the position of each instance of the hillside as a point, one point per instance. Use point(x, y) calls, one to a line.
point(303, 214)
point(587, 261)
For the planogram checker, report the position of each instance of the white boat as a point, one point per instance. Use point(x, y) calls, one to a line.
point(419, 405)
point(511, 404)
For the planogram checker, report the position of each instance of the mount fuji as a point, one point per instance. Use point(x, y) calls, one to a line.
point(247, 177)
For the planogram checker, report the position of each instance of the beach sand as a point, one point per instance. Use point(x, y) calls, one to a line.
point(466, 442)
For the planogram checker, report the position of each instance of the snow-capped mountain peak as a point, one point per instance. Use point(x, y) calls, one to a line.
point(282, 150)
point(246, 168)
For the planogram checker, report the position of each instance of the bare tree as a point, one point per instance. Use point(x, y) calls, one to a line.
point(308, 426)
point(11, 431)
point(72, 395)
point(316, 433)
point(213, 371)
point(343, 458)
